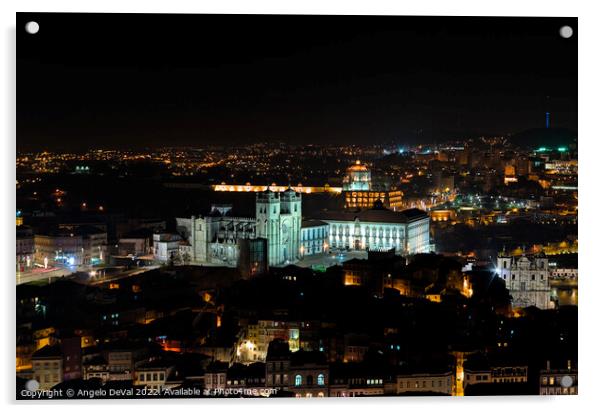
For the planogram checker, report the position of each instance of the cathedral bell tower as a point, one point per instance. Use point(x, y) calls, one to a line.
point(267, 215)
point(290, 226)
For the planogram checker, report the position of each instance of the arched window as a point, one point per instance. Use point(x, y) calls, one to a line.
point(321, 380)
point(310, 380)
point(298, 380)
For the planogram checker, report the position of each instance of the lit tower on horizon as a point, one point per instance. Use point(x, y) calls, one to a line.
point(547, 110)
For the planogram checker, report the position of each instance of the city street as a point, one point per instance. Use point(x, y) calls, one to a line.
point(39, 274)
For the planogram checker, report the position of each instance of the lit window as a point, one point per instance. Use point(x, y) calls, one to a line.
point(321, 380)
point(298, 380)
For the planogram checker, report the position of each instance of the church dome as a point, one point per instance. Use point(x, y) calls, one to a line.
point(358, 167)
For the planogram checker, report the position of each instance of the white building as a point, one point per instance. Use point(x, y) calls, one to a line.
point(153, 375)
point(166, 246)
point(379, 229)
point(25, 248)
point(47, 366)
point(425, 382)
point(314, 237)
point(84, 245)
point(215, 238)
point(527, 280)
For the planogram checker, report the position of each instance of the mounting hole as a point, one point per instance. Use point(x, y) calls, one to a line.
point(566, 381)
point(32, 385)
point(32, 27)
point(566, 32)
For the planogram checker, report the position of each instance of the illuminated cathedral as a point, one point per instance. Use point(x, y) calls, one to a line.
point(278, 236)
point(216, 237)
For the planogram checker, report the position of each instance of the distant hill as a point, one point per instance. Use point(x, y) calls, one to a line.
point(550, 138)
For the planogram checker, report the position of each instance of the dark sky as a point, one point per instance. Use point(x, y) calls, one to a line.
point(109, 80)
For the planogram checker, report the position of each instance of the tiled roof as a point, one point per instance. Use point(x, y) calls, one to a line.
point(376, 215)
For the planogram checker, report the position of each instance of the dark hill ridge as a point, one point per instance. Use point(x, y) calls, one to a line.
point(549, 138)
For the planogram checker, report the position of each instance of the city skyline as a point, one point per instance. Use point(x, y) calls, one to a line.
point(295, 206)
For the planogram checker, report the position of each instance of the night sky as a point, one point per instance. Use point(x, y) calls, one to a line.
point(133, 81)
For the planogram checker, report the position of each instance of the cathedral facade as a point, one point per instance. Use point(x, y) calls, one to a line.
point(215, 238)
point(527, 280)
point(278, 219)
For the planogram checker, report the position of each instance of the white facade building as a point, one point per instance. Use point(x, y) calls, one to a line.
point(425, 382)
point(314, 237)
point(166, 246)
point(380, 229)
point(153, 375)
point(84, 245)
point(216, 237)
point(527, 280)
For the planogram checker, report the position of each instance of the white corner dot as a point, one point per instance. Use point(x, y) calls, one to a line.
point(32, 27)
point(32, 385)
point(566, 31)
point(566, 381)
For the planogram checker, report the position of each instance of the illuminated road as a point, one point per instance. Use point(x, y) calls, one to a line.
point(100, 279)
point(41, 275)
point(96, 275)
